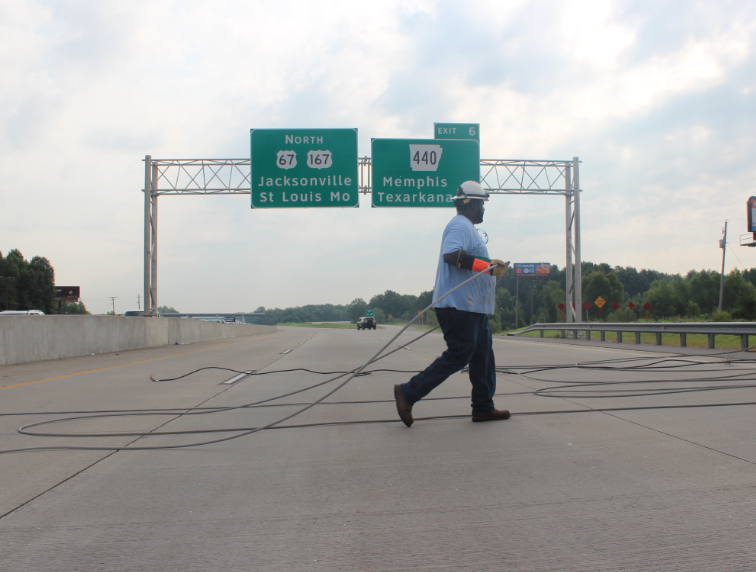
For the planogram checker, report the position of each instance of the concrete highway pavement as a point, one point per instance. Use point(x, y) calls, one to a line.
point(559, 486)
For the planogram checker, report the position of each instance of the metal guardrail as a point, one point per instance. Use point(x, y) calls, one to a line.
point(711, 329)
point(231, 317)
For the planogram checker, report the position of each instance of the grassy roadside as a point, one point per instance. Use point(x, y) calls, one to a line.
point(331, 326)
point(693, 340)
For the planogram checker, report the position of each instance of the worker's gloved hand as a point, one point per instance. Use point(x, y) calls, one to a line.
point(461, 259)
point(501, 267)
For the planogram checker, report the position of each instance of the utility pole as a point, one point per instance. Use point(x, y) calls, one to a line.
point(112, 299)
point(517, 302)
point(723, 246)
point(532, 285)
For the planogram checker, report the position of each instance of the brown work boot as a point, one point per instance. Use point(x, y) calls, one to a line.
point(404, 408)
point(494, 415)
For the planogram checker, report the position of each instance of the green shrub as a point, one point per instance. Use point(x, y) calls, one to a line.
point(721, 317)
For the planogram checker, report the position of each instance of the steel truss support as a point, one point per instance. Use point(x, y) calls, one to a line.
point(150, 236)
point(530, 177)
point(232, 177)
point(573, 270)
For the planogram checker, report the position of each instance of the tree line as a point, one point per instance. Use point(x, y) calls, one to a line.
point(694, 296)
point(30, 285)
point(524, 301)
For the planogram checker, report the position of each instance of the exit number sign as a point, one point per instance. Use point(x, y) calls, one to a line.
point(457, 131)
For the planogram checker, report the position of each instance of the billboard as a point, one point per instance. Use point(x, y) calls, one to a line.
point(751, 214)
point(532, 269)
point(67, 293)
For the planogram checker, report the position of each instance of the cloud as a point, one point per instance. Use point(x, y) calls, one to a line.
point(655, 98)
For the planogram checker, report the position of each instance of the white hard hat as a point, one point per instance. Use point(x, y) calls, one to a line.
point(471, 190)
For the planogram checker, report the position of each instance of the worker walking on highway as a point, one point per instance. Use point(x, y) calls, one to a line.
point(463, 315)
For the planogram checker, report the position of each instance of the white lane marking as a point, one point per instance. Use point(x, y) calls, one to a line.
point(237, 377)
point(285, 351)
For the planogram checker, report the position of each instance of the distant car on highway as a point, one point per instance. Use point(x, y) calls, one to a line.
point(22, 313)
point(366, 323)
point(138, 313)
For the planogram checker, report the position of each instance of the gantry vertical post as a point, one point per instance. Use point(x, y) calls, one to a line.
point(154, 261)
point(723, 246)
point(578, 271)
point(147, 230)
point(569, 285)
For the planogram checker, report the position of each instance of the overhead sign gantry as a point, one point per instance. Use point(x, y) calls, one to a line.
point(324, 162)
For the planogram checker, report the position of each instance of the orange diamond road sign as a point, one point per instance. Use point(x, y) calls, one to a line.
point(600, 302)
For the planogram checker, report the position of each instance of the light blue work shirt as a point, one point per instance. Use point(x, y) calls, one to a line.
point(478, 295)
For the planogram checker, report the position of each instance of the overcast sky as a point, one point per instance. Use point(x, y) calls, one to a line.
point(657, 99)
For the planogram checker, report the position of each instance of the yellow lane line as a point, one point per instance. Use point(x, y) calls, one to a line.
point(135, 362)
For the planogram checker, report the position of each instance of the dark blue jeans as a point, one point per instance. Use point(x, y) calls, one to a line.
point(468, 341)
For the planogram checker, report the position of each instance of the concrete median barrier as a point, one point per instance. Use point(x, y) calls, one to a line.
point(25, 339)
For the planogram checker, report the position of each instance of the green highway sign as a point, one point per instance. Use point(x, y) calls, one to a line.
point(295, 168)
point(456, 131)
point(369, 312)
point(421, 172)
